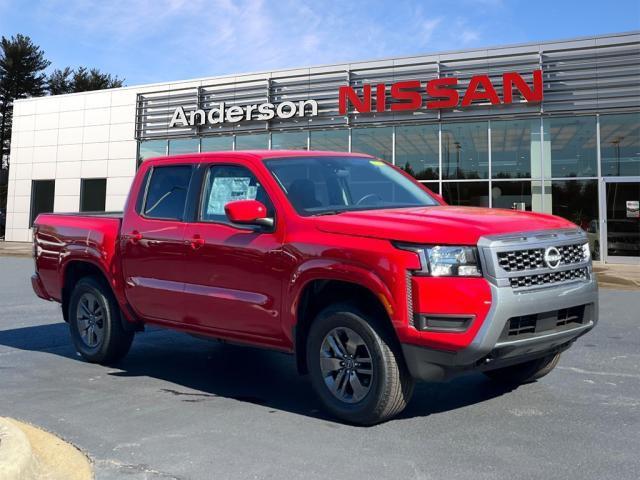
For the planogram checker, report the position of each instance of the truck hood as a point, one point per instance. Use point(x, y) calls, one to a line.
point(441, 224)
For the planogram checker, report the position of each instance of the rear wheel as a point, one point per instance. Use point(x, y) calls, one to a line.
point(524, 372)
point(95, 324)
point(355, 369)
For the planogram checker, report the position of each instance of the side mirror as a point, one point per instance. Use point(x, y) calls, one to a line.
point(248, 212)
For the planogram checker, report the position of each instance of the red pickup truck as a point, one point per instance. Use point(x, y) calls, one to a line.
point(369, 279)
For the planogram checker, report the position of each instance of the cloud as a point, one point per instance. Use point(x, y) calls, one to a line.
point(159, 40)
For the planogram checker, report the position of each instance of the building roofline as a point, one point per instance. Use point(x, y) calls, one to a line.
point(235, 77)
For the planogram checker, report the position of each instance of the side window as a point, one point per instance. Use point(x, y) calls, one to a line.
point(167, 192)
point(227, 183)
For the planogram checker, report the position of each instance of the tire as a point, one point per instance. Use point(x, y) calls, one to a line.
point(95, 322)
point(360, 398)
point(524, 372)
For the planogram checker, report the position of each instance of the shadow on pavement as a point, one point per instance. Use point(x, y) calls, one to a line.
point(199, 370)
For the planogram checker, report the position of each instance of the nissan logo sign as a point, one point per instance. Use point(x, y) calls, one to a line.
point(552, 257)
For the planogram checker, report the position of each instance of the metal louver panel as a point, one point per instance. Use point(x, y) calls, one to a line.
point(585, 75)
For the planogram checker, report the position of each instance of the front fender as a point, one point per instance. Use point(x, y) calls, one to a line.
point(328, 269)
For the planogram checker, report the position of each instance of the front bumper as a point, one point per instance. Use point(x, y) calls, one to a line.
point(38, 287)
point(488, 351)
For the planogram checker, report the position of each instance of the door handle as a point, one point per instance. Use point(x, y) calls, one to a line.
point(134, 237)
point(196, 242)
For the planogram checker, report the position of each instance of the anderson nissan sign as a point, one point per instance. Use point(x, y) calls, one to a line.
point(408, 95)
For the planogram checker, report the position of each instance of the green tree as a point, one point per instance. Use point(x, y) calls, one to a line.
point(80, 80)
point(22, 65)
point(60, 81)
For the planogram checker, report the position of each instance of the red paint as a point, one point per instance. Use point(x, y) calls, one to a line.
point(242, 283)
point(437, 89)
point(441, 93)
point(245, 211)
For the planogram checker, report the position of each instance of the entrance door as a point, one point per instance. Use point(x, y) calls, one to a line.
point(622, 220)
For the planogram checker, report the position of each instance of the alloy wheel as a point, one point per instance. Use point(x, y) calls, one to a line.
point(346, 365)
point(90, 320)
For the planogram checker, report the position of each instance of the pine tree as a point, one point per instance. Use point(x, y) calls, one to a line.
point(22, 65)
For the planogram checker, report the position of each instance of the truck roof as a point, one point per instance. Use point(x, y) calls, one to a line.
point(252, 154)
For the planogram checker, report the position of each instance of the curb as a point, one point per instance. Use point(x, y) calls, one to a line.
point(17, 461)
point(29, 453)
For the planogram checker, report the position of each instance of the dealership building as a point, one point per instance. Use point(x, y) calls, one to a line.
point(548, 127)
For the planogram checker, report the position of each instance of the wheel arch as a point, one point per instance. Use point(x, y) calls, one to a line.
point(73, 271)
point(321, 292)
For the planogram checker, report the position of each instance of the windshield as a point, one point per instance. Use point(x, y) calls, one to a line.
point(328, 185)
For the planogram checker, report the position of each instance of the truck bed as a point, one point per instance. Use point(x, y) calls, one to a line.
point(60, 238)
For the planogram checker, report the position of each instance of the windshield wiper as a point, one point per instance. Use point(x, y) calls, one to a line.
point(328, 212)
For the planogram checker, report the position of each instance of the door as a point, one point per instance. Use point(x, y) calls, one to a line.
point(235, 272)
point(622, 220)
point(153, 245)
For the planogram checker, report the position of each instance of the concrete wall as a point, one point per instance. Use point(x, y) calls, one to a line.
point(67, 138)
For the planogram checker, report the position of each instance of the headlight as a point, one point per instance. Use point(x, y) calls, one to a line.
point(446, 261)
point(586, 252)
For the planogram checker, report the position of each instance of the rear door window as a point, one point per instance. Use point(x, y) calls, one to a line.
point(167, 192)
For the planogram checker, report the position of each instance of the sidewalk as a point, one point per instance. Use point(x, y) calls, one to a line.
point(626, 277)
point(16, 249)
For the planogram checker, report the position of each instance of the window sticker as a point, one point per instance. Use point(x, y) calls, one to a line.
point(229, 189)
point(377, 163)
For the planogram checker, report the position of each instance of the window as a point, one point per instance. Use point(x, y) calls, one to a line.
point(329, 185)
point(167, 192)
point(465, 150)
point(216, 144)
point(93, 193)
point(417, 151)
point(620, 144)
point(374, 141)
point(573, 147)
point(151, 149)
point(42, 195)
point(332, 140)
point(183, 145)
point(517, 195)
point(513, 142)
point(228, 183)
point(577, 201)
point(289, 140)
point(258, 141)
point(470, 194)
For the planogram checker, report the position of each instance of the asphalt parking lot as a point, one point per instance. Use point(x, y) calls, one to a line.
point(182, 408)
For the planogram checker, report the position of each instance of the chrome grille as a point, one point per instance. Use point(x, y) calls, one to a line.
point(532, 259)
point(549, 278)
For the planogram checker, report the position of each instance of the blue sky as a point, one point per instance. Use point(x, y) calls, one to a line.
point(148, 41)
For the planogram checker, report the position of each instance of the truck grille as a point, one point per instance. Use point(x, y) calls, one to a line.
point(549, 278)
point(532, 259)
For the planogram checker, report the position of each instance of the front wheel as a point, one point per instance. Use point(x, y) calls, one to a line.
point(525, 372)
point(355, 370)
point(95, 324)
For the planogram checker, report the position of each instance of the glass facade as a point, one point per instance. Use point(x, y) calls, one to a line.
point(257, 141)
point(184, 145)
point(570, 148)
point(418, 150)
point(216, 144)
point(374, 141)
point(334, 140)
point(465, 150)
point(620, 144)
point(289, 140)
point(538, 164)
point(151, 148)
point(515, 148)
